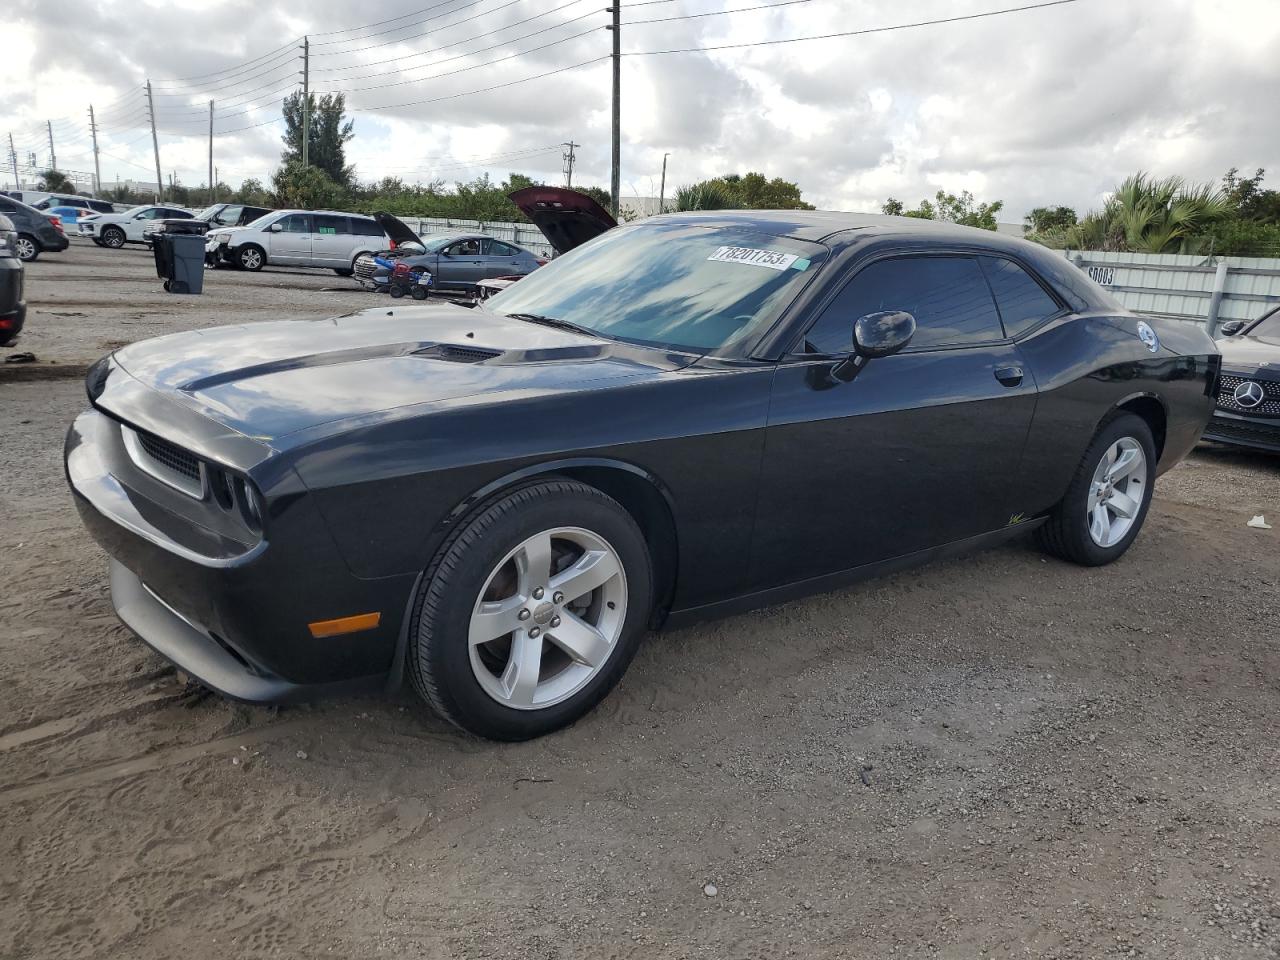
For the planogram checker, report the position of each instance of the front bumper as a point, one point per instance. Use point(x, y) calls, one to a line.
point(234, 616)
point(1253, 432)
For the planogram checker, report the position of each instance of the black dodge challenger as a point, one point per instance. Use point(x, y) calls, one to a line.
point(684, 417)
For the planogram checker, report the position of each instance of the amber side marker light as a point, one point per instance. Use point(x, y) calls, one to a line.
point(334, 628)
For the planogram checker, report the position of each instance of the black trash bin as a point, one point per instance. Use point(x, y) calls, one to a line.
point(178, 246)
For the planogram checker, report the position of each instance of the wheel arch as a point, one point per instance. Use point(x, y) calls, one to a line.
point(640, 492)
point(1151, 408)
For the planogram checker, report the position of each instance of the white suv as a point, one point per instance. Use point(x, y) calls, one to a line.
point(297, 238)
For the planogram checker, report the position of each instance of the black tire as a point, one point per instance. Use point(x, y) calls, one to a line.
point(396, 290)
point(251, 257)
point(439, 655)
point(113, 237)
point(1066, 533)
point(28, 248)
point(343, 271)
point(418, 292)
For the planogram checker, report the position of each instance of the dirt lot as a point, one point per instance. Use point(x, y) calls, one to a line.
point(998, 756)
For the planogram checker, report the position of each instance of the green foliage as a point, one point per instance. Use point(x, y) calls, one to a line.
point(1042, 219)
point(1247, 198)
point(478, 199)
point(1147, 215)
point(55, 181)
point(747, 191)
point(251, 192)
point(1243, 238)
point(306, 188)
point(328, 133)
point(962, 209)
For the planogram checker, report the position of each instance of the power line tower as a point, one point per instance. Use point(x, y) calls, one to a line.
point(569, 158)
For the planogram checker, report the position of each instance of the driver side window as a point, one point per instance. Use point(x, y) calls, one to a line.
point(947, 295)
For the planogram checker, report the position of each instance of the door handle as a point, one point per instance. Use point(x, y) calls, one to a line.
point(1009, 376)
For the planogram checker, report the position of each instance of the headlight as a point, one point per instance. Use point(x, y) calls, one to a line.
point(8, 244)
point(224, 239)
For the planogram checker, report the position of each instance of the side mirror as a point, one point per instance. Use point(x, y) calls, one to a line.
point(883, 334)
point(1232, 327)
point(875, 335)
point(274, 228)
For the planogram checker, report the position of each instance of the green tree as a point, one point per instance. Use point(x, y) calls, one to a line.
point(962, 209)
point(329, 133)
point(707, 195)
point(55, 181)
point(1041, 219)
point(253, 193)
point(892, 208)
point(1247, 198)
point(746, 191)
point(308, 188)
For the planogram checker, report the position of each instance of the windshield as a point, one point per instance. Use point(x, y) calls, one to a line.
point(672, 285)
point(433, 244)
point(1268, 326)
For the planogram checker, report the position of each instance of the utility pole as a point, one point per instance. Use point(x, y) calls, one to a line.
point(306, 101)
point(662, 186)
point(211, 200)
point(616, 27)
point(97, 170)
point(155, 142)
point(13, 158)
point(215, 180)
point(53, 157)
point(569, 157)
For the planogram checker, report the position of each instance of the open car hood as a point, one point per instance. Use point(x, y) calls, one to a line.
point(566, 218)
point(396, 229)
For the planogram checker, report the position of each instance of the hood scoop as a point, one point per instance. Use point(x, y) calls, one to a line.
point(453, 353)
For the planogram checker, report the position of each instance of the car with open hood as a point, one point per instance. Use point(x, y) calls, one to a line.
point(453, 261)
point(687, 416)
point(1248, 392)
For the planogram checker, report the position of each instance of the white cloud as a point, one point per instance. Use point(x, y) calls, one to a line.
point(1044, 107)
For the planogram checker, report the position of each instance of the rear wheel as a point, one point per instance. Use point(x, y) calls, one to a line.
point(532, 611)
point(113, 237)
point(28, 247)
point(1107, 501)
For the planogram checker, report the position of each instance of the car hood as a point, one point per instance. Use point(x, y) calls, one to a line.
point(566, 218)
point(270, 380)
point(395, 228)
point(1249, 353)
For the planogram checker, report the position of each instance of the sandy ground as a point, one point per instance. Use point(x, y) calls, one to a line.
point(998, 756)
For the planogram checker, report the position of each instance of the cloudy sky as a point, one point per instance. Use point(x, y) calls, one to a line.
point(1038, 107)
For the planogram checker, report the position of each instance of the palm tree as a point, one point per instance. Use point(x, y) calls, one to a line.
point(707, 195)
point(1148, 215)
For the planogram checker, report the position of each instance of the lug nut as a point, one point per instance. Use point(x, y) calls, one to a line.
point(555, 621)
point(524, 614)
point(559, 597)
point(534, 632)
point(537, 594)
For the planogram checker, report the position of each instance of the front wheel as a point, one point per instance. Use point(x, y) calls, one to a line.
point(250, 257)
point(28, 248)
point(113, 237)
point(1108, 498)
point(532, 611)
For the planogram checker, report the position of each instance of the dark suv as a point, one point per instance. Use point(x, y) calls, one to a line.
point(13, 311)
point(36, 232)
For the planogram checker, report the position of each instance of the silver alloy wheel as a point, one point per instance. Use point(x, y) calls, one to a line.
point(26, 248)
point(1117, 492)
point(250, 259)
point(548, 619)
point(113, 237)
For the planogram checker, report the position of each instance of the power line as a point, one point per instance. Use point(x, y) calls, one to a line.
point(496, 86)
point(715, 13)
point(465, 6)
point(854, 33)
point(235, 67)
point(420, 53)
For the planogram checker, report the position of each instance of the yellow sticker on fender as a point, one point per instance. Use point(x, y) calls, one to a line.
point(757, 258)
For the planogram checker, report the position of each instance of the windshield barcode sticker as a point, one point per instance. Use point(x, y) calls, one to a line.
point(757, 258)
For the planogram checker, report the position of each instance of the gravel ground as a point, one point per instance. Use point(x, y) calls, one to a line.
point(997, 756)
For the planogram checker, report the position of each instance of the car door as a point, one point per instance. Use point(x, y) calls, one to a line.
point(291, 243)
point(331, 242)
point(499, 259)
point(135, 225)
point(461, 263)
point(920, 449)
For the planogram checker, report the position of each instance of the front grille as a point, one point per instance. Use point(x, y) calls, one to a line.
point(1270, 406)
point(1243, 431)
point(365, 267)
point(165, 461)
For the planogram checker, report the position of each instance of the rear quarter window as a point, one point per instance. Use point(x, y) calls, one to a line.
point(1022, 301)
